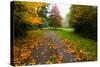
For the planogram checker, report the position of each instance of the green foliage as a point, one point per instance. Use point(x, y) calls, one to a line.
point(84, 20)
point(42, 12)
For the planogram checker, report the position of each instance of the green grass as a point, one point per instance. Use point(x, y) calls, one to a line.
point(66, 29)
point(89, 45)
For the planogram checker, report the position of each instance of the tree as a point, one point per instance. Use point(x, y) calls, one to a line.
point(84, 20)
point(55, 19)
point(42, 12)
point(24, 16)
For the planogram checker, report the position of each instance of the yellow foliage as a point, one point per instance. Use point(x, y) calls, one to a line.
point(49, 62)
point(37, 20)
point(33, 62)
point(34, 20)
point(35, 4)
point(78, 57)
point(42, 53)
point(29, 12)
point(82, 50)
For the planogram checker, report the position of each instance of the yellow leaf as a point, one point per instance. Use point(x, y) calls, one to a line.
point(42, 53)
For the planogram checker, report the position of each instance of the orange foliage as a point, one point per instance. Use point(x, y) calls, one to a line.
point(34, 20)
point(37, 20)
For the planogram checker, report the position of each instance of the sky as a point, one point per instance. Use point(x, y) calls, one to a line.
point(64, 9)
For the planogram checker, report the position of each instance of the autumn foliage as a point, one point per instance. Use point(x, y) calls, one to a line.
point(25, 16)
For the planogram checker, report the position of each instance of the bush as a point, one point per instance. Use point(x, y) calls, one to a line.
point(87, 30)
point(20, 29)
point(84, 20)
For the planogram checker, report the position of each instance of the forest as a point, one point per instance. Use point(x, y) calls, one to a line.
point(41, 35)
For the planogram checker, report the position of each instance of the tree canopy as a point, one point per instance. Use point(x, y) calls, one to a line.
point(84, 20)
point(55, 19)
point(27, 14)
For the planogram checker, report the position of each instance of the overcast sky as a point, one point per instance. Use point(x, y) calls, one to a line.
point(63, 8)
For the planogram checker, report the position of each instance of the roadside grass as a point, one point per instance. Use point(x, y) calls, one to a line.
point(90, 46)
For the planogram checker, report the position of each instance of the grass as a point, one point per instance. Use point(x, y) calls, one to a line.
point(89, 45)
